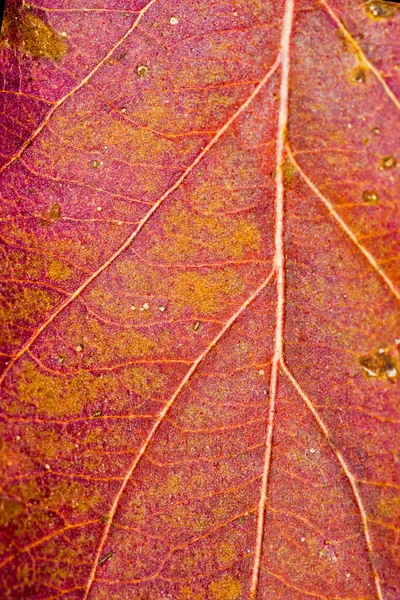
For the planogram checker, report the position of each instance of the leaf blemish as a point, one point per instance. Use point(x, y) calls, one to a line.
point(370, 197)
point(142, 70)
point(106, 557)
point(389, 162)
point(359, 76)
point(381, 364)
point(51, 215)
point(381, 9)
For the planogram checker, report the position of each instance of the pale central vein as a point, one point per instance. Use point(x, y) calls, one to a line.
point(279, 264)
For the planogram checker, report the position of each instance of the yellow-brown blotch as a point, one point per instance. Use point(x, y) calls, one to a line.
point(206, 293)
point(221, 236)
point(29, 34)
point(225, 588)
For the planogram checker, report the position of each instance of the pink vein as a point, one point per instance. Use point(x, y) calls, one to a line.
point(158, 422)
point(142, 223)
point(78, 87)
point(279, 264)
point(344, 227)
point(346, 471)
point(361, 54)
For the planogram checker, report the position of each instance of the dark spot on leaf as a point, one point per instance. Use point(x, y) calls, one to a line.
point(106, 557)
point(381, 364)
point(142, 70)
point(51, 215)
point(370, 197)
point(389, 162)
point(96, 164)
point(359, 76)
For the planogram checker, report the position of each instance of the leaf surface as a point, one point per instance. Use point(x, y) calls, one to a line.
point(200, 316)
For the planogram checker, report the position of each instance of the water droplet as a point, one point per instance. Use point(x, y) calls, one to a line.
point(162, 308)
point(146, 306)
point(370, 197)
point(376, 130)
point(46, 466)
point(142, 70)
point(174, 21)
point(388, 162)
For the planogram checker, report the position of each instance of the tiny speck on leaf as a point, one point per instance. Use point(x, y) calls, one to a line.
point(381, 364)
point(389, 162)
point(52, 215)
point(106, 557)
point(96, 163)
point(79, 348)
point(370, 197)
point(196, 326)
point(174, 21)
point(359, 76)
point(142, 70)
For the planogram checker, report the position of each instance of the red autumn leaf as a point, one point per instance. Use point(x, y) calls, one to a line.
point(201, 327)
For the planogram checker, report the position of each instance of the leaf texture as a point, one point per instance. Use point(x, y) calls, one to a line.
point(200, 307)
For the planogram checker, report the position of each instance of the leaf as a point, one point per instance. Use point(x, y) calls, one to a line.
point(201, 323)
